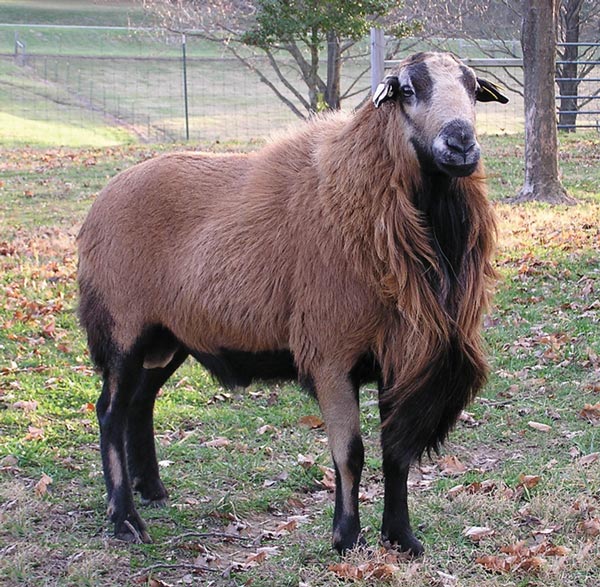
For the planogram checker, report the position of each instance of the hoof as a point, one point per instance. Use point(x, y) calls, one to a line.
point(343, 546)
point(407, 544)
point(152, 493)
point(154, 503)
point(132, 531)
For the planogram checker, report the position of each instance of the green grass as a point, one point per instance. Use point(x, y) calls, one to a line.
point(544, 342)
point(72, 12)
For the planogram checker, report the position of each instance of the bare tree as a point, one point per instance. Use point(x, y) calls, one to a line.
point(492, 26)
point(282, 41)
point(578, 21)
point(538, 41)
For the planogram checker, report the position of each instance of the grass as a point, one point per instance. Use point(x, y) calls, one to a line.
point(231, 459)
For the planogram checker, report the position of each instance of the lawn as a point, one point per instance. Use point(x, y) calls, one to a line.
point(512, 500)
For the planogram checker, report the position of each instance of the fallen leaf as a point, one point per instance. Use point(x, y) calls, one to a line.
point(455, 491)
point(451, 465)
point(591, 413)
point(311, 422)
point(346, 571)
point(539, 426)
point(218, 442)
point(590, 527)
point(34, 433)
point(477, 533)
point(41, 487)
point(266, 428)
point(328, 480)
point(528, 481)
point(281, 477)
point(496, 564)
point(589, 459)
point(288, 526)
point(530, 564)
point(8, 461)
point(26, 405)
point(306, 462)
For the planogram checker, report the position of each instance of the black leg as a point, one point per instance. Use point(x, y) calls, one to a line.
point(112, 408)
point(141, 452)
point(395, 529)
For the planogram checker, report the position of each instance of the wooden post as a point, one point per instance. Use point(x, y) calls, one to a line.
point(377, 57)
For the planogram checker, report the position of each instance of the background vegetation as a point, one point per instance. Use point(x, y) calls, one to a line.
point(513, 500)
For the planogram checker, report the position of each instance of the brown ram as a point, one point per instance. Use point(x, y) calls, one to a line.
point(356, 249)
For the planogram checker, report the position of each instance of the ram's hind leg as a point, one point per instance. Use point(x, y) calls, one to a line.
point(338, 400)
point(141, 452)
point(121, 377)
point(396, 530)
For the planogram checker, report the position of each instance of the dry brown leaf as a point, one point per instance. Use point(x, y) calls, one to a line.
point(589, 459)
point(528, 481)
point(477, 533)
point(518, 549)
point(346, 571)
point(266, 428)
point(41, 487)
point(451, 465)
point(328, 480)
point(591, 413)
point(382, 571)
point(496, 564)
point(539, 426)
point(218, 442)
point(8, 461)
point(34, 433)
point(26, 405)
point(288, 526)
point(306, 461)
point(311, 422)
point(557, 551)
point(590, 527)
point(530, 564)
point(455, 491)
point(87, 407)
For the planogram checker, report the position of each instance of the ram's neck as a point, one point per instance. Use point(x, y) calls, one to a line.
point(418, 238)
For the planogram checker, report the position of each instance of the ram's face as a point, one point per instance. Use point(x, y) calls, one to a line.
point(436, 94)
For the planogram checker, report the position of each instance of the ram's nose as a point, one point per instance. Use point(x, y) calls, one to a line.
point(455, 149)
point(461, 144)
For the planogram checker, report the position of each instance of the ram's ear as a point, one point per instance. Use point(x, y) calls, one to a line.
point(388, 89)
point(489, 92)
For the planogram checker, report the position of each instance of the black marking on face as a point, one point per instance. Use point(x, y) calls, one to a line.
point(469, 81)
point(421, 80)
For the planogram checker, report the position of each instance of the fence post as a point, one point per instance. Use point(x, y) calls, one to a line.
point(377, 57)
point(19, 50)
point(185, 88)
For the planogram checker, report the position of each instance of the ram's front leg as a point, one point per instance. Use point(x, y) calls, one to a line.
point(338, 401)
point(396, 530)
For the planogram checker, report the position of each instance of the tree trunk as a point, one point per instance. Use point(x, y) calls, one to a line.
point(567, 111)
point(334, 66)
point(538, 40)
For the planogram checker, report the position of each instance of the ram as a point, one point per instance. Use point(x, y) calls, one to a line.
point(356, 249)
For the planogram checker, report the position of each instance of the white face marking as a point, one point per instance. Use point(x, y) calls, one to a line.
point(447, 97)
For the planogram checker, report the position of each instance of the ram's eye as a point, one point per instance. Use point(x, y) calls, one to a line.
point(407, 91)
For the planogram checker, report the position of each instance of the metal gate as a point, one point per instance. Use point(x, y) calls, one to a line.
point(578, 80)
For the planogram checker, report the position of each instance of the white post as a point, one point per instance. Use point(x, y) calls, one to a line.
point(377, 57)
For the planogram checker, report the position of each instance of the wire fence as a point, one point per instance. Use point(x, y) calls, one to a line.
point(102, 85)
